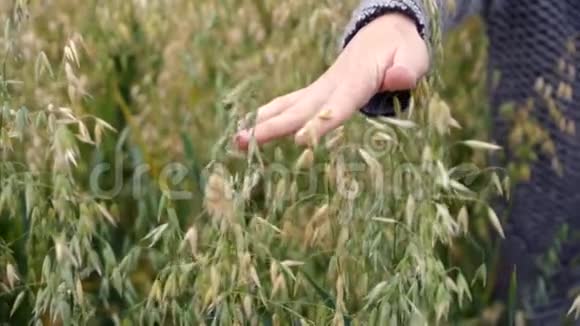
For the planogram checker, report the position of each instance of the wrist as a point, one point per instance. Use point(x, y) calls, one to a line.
point(370, 11)
point(396, 21)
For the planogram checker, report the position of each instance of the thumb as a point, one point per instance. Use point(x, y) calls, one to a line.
point(409, 64)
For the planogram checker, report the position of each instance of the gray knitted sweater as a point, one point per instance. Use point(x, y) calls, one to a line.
point(528, 39)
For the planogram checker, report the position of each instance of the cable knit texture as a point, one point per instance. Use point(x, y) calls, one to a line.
point(528, 40)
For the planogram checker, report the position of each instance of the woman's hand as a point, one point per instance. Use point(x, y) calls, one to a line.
point(386, 55)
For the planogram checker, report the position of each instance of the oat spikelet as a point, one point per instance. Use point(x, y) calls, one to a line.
point(575, 308)
point(373, 164)
point(305, 160)
point(190, 239)
point(320, 214)
point(494, 220)
point(279, 285)
point(463, 220)
point(440, 115)
point(250, 181)
point(79, 290)
point(11, 275)
point(539, 85)
point(410, 210)
point(62, 252)
point(309, 133)
point(218, 199)
point(340, 290)
point(214, 285)
point(254, 276)
point(274, 271)
point(247, 305)
point(343, 237)
point(476, 144)
point(280, 192)
point(325, 114)
point(562, 65)
point(335, 140)
point(155, 291)
point(330, 174)
point(427, 155)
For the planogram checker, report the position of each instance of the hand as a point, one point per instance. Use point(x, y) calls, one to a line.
point(386, 55)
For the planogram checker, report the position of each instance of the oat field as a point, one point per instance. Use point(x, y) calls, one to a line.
point(122, 200)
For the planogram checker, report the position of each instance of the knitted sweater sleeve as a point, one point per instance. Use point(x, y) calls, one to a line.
point(368, 10)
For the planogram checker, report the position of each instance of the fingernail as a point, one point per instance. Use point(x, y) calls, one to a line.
point(243, 137)
point(239, 141)
point(243, 134)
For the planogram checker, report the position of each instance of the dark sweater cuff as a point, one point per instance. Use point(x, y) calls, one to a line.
point(383, 104)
